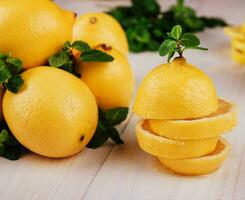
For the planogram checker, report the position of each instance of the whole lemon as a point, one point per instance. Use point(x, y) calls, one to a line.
point(112, 83)
point(33, 30)
point(54, 114)
point(100, 28)
point(176, 91)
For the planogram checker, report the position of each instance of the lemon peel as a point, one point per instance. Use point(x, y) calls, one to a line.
point(171, 149)
point(221, 121)
point(202, 165)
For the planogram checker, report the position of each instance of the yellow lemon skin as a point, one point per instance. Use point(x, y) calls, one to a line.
point(175, 91)
point(33, 30)
point(236, 32)
point(172, 149)
point(222, 121)
point(100, 28)
point(238, 56)
point(202, 165)
point(112, 83)
point(54, 114)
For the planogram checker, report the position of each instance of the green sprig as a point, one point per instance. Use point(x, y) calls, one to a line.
point(65, 59)
point(10, 69)
point(178, 42)
point(10, 148)
point(106, 127)
point(145, 24)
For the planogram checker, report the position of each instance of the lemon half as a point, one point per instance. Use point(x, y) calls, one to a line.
point(171, 149)
point(203, 165)
point(223, 120)
point(175, 91)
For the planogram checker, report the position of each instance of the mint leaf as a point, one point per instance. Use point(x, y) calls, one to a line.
point(100, 136)
point(10, 148)
point(105, 129)
point(189, 40)
point(81, 46)
point(9, 73)
point(176, 32)
point(4, 72)
point(15, 65)
point(2, 149)
point(167, 46)
point(59, 59)
point(115, 116)
point(170, 55)
point(114, 135)
point(95, 56)
point(3, 56)
point(14, 83)
point(199, 48)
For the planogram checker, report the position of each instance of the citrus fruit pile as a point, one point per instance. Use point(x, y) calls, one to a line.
point(59, 77)
point(183, 118)
point(237, 35)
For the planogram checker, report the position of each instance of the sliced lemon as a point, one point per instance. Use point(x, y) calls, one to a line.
point(238, 44)
point(238, 56)
point(223, 120)
point(235, 32)
point(202, 165)
point(172, 149)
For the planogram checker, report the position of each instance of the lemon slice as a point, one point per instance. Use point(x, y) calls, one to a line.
point(202, 165)
point(238, 44)
point(223, 120)
point(172, 149)
point(238, 56)
point(235, 32)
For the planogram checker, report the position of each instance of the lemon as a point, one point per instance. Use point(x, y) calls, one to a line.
point(238, 44)
point(175, 91)
point(202, 165)
point(100, 28)
point(54, 114)
point(33, 30)
point(223, 120)
point(235, 32)
point(238, 56)
point(172, 149)
point(112, 83)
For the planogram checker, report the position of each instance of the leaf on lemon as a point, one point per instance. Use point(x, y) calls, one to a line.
point(95, 55)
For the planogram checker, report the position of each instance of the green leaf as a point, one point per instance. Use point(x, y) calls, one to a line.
point(4, 136)
point(2, 149)
point(100, 136)
point(114, 135)
point(176, 32)
point(3, 56)
point(4, 72)
point(81, 46)
point(96, 56)
point(15, 65)
point(67, 45)
point(199, 48)
point(12, 152)
point(167, 46)
point(170, 55)
point(189, 40)
point(59, 59)
point(14, 83)
point(115, 116)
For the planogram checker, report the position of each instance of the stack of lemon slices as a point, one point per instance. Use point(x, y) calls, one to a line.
point(183, 118)
point(237, 35)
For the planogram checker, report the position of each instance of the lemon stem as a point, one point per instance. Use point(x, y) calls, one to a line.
point(179, 50)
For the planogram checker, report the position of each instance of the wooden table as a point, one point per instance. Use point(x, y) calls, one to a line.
point(125, 172)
